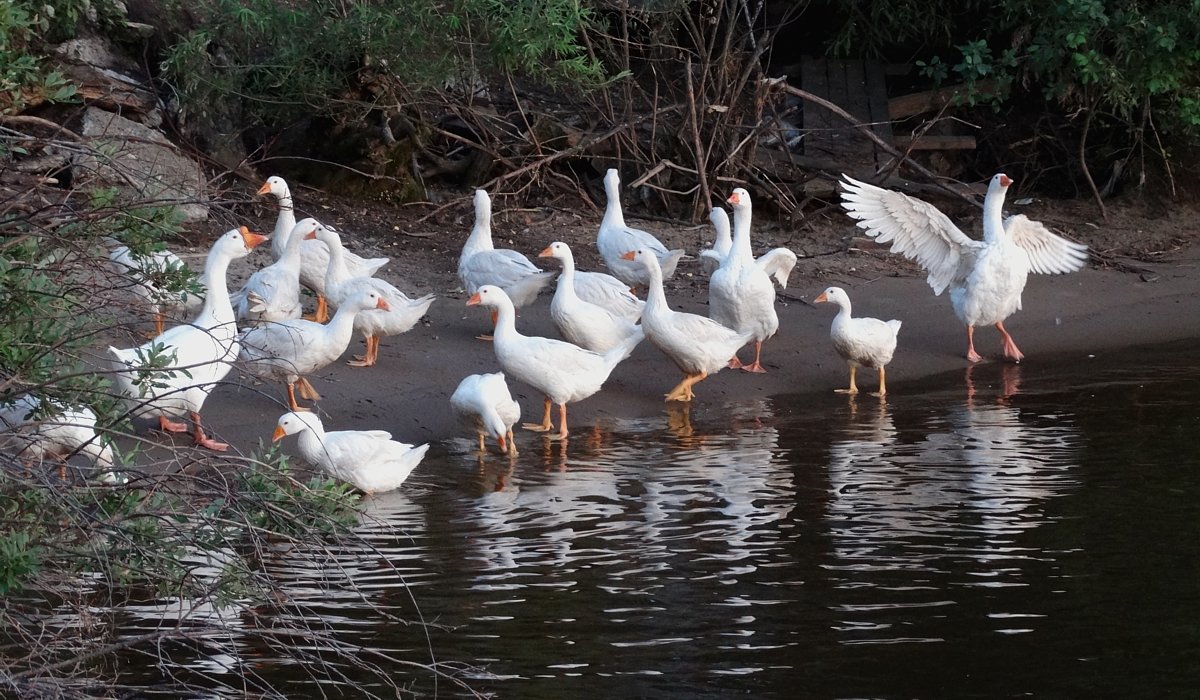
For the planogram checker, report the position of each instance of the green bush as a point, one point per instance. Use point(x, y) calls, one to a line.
point(283, 61)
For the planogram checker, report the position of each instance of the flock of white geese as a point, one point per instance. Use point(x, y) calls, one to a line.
point(602, 320)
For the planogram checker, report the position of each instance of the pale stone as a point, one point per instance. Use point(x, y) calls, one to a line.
point(138, 158)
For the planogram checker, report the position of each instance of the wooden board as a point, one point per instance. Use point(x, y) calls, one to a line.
point(858, 88)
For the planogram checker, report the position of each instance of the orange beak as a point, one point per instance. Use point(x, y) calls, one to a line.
point(382, 304)
point(474, 300)
point(821, 298)
point(265, 189)
point(547, 253)
point(251, 239)
point(631, 255)
point(1005, 181)
point(734, 198)
point(311, 235)
point(278, 434)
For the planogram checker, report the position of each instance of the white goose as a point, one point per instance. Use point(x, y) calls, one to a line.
point(862, 342)
point(314, 256)
point(399, 315)
point(484, 404)
point(607, 292)
point(777, 262)
point(615, 239)
point(197, 355)
point(482, 263)
point(741, 295)
point(710, 258)
point(985, 277)
point(288, 350)
point(565, 373)
point(699, 346)
point(64, 431)
point(144, 273)
point(585, 324)
point(273, 293)
point(369, 459)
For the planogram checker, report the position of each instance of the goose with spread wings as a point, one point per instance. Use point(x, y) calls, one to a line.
point(985, 278)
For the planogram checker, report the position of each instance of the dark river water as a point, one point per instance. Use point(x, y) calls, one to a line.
point(1003, 531)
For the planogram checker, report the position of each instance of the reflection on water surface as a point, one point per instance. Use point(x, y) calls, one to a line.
point(1008, 530)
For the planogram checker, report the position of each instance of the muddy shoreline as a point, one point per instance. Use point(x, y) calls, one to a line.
point(1065, 319)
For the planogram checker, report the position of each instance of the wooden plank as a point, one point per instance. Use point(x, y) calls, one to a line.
point(930, 100)
point(934, 142)
point(877, 100)
point(812, 79)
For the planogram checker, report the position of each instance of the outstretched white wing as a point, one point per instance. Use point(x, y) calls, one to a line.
point(1049, 253)
point(778, 263)
point(916, 229)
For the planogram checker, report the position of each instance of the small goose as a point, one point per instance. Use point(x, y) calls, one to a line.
point(587, 325)
point(288, 350)
point(314, 256)
point(61, 433)
point(144, 273)
point(369, 459)
point(697, 345)
point(986, 278)
point(398, 316)
point(862, 342)
point(615, 239)
point(565, 373)
point(483, 403)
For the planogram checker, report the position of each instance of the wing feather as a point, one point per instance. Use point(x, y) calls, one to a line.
point(916, 229)
point(1049, 253)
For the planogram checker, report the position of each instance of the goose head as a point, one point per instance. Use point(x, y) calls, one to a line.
point(833, 295)
point(275, 185)
point(740, 199)
point(326, 235)
point(238, 242)
point(643, 256)
point(558, 250)
point(369, 299)
point(999, 183)
point(491, 296)
point(294, 422)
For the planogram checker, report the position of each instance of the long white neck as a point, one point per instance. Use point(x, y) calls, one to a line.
point(291, 254)
point(341, 327)
point(506, 322)
point(843, 316)
point(993, 213)
point(720, 221)
point(566, 281)
point(741, 232)
point(217, 309)
point(481, 234)
point(312, 443)
point(656, 297)
point(491, 420)
point(336, 273)
point(284, 224)
point(613, 215)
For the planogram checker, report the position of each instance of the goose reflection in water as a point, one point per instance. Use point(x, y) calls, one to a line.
point(653, 480)
point(982, 467)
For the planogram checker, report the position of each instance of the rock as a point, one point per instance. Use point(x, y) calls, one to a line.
point(144, 161)
point(94, 52)
point(108, 79)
